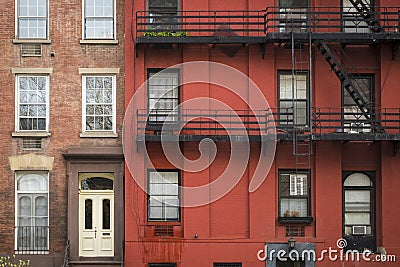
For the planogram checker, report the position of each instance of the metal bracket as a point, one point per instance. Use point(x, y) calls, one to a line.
point(396, 147)
point(136, 50)
point(264, 48)
point(395, 49)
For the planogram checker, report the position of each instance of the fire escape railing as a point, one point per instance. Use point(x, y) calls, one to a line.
point(32, 239)
point(201, 23)
point(244, 122)
point(359, 19)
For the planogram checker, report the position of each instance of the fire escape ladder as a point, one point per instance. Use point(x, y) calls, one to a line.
point(343, 76)
point(366, 12)
point(302, 134)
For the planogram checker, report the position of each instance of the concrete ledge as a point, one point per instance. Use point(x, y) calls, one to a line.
point(98, 135)
point(99, 42)
point(32, 70)
point(98, 70)
point(30, 162)
point(31, 41)
point(30, 134)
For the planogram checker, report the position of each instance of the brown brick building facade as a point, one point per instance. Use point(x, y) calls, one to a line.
point(52, 51)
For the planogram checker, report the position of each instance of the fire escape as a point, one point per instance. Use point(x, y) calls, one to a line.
point(319, 28)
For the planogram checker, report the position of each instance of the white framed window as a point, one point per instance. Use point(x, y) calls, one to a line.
point(163, 196)
point(32, 19)
point(99, 19)
point(32, 107)
point(99, 103)
point(32, 213)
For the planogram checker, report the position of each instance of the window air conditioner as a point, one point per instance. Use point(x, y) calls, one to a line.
point(359, 230)
point(356, 127)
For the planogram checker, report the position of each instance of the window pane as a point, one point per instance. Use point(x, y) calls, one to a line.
point(106, 214)
point(88, 214)
point(357, 179)
point(41, 206)
point(294, 207)
point(357, 218)
point(24, 211)
point(97, 183)
point(32, 182)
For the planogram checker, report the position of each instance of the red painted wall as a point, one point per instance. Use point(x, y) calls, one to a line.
point(235, 227)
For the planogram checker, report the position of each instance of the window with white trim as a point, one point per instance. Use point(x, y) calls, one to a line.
point(99, 103)
point(163, 195)
point(294, 194)
point(32, 212)
point(32, 19)
point(32, 103)
point(99, 19)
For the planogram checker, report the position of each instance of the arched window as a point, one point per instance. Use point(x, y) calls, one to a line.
point(358, 204)
point(32, 222)
point(96, 181)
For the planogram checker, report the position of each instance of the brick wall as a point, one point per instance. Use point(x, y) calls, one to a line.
point(65, 18)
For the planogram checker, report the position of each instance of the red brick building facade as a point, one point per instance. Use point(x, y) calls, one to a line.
point(329, 73)
point(62, 91)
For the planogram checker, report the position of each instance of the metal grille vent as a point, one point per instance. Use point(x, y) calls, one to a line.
point(31, 50)
point(32, 143)
point(227, 264)
point(162, 265)
point(295, 231)
point(163, 230)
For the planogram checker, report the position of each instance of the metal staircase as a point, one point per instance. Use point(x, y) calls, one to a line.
point(365, 10)
point(365, 107)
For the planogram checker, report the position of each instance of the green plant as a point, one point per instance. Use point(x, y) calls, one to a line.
point(154, 33)
point(11, 261)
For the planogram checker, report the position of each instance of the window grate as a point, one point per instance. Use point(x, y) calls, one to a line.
point(295, 230)
point(227, 264)
point(163, 230)
point(32, 143)
point(31, 50)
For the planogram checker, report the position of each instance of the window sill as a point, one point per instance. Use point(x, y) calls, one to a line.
point(31, 134)
point(98, 135)
point(99, 41)
point(32, 252)
point(295, 220)
point(31, 41)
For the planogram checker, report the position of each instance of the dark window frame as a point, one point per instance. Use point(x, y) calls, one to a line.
point(290, 219)
point(353, 77)
point(371, 189)
point(307, 100)
point(154, 71)
point(164, 11)
point(149, 196)
point(343, 15)
point(298, 18)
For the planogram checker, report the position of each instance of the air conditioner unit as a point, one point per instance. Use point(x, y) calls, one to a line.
point(359, 230)
point(356, 127)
